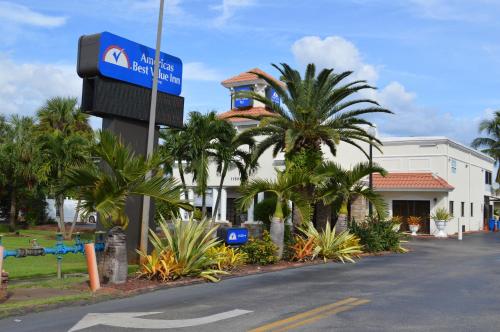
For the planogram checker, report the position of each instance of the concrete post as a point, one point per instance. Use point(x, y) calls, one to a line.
point(459, 230)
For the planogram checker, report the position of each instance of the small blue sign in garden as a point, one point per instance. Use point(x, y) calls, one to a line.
point(240, 102)
point(236, 236)
point(127, 61)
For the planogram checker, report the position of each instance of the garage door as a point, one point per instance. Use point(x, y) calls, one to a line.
point(413, 208)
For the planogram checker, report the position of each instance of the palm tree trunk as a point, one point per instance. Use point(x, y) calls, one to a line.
point(183, 180)
point(61, 213)
point(277, 232)
point(13, 211)
point(75, 219)
point(115, 267)
point(204, 203)
point(277, 229)
point(217, 201)
point(323, 215)
point(342, 219)
point(307, 193)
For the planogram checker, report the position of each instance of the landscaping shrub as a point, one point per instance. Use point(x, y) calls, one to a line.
point(226, 258)
point(261, 252)
point(303, 249)
point(182, 251)
point(329, 245)
point(377, 235)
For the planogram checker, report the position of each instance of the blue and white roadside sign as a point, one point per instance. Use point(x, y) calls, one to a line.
point(127, 61)
point(235, 236)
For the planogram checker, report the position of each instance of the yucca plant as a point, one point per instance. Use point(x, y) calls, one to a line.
point(329, 245)
point(188, 242)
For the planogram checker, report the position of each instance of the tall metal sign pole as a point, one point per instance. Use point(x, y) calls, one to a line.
point(151, 132)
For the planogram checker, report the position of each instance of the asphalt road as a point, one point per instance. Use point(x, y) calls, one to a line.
point(442, 285)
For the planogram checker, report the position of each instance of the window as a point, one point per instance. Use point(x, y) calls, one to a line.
point(462, 209)
point(451, 208)
point(453, 166)
point(487, 177)
point(472, 209)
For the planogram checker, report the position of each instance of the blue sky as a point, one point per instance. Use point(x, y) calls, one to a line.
point(436, 63)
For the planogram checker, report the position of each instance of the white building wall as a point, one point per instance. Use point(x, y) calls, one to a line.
point(460, 166)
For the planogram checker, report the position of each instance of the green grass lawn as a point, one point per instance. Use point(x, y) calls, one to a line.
point(43, 266)
point(29, 267)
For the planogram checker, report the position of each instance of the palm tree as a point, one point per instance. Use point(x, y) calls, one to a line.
point(203, 131)
point(105, 189)
point(490, 143)
point(176, 146)
point(20, 162)
point(338, 187)
point(317, 109)
point(284, 188)
point(232, 151)
point(64, 135)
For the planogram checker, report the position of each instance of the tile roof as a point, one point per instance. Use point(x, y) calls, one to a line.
point(254, 111)
point(410, 181)
point(247, 76)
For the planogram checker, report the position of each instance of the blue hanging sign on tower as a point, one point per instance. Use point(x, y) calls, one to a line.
point(240, 102)
point(127, 61)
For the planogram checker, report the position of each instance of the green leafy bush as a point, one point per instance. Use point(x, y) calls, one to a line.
point(260, 251)
point(377, 235)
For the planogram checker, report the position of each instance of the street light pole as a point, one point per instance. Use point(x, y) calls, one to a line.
point(151, 131)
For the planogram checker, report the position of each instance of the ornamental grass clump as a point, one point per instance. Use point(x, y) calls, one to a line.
point(343, 246)
point(441, 214)
point(182, 251)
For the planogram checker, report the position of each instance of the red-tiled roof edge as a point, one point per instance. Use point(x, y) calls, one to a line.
point(253, 111)
point(249, 76)
point(424, 181)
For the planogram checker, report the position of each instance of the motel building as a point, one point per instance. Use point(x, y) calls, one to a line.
point(425, 173)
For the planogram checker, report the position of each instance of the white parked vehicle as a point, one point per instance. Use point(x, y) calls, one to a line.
point(69, 212)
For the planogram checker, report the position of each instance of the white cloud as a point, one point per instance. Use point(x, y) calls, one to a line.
point(197, 71)
point(24, 87)
point(410, 118)
point(228, 8)
point(23, 15)
point(333, 52)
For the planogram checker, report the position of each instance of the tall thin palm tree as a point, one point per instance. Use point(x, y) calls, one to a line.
point(64, 135)
point(284, 189)
point(105, 188)
point(203, 131)
point(232, 151)
point(338, 187)
point(176, 145)
point(490, 144)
